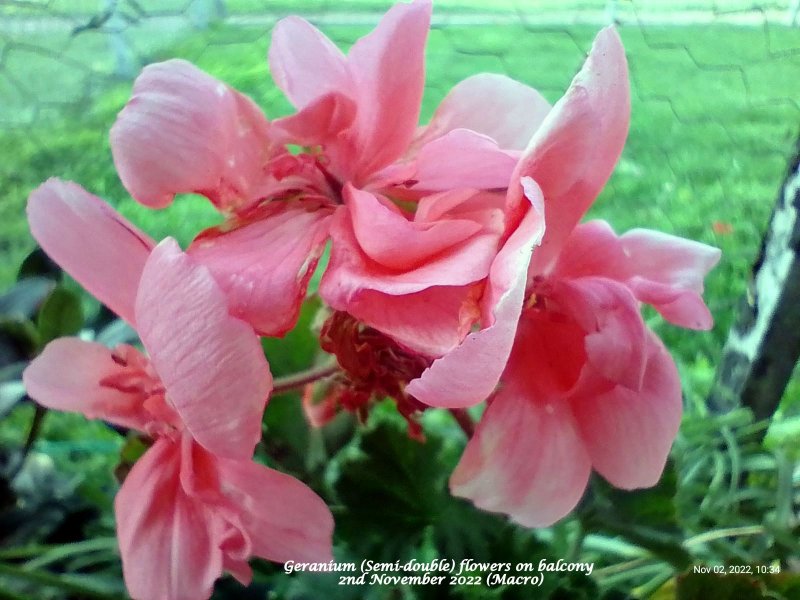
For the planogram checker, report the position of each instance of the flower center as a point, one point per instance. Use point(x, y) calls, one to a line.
point(373, 367)
point(135, 377)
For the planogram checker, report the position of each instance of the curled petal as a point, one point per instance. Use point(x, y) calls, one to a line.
point(473, 161)
point(660, 269)
point(304, 63)
point(507, 111)
point(264, 265)
point(68, 376)
point(573, 153)
point(389, 238)
point(627, 433)
point(616, 337)
point(452, 257)
point(469, 373)
point(91, 241)
point(525, 460)
point(185, 132)
point(284, 518)
point(169, 542)
point(668, 272)
point(211, 364)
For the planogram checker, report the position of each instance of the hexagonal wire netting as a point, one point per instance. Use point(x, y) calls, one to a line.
point(714, 85)
point(715, 113)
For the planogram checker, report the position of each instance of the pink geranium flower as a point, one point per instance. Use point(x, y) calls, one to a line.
point(184, 131)
point(194, 504)
point(357, 115)
point(587, 386)
point(419, 282)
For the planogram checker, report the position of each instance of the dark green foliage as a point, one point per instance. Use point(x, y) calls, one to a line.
point(707, 146)
point(60, 315)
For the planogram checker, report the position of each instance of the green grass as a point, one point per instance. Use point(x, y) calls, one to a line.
point(71, 8)
point(714, 115)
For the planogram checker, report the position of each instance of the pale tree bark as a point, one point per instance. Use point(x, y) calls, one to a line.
point(764, 344)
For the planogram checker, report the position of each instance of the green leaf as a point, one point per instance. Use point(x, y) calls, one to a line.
point(784, 434)
point(60, 315)
point(38, 264)
point(296, 350)
point(22, 300)
point(19, 340)
point(391, 488)
point(646, 517)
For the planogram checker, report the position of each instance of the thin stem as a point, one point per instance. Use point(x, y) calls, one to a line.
point(36, 428)
point(709, 536)
point(464, 421)
point(297, 381)
point(623, 566)
point(33, 434)
point(651, 587)
point(576, 546)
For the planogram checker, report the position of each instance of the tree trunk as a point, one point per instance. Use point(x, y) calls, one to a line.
point(764, 344)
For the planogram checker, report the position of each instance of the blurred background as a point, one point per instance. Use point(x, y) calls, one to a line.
point(715, 115)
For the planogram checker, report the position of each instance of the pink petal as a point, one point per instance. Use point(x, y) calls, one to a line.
point(526, 460)
point(573, 153)
point(166, 538)
point(387, 67)
point(548, 357)
point(592, 250)
point(184, 131)
point(211, 363)
point(66, 376)
point(264, 265)
point(431, 322)
point(616, 340)
point(628, 434)
point(92, 242)
point(389, 238)
point(285, 519)
point(320, 122)
point(304, 63)
point(201, 476)
point(668, 273)
point(469, 373)
point(473, 161)
point(351, 271)
point(660, 269)
point(507, 111)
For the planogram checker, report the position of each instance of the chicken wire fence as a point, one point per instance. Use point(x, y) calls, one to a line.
point(715, 91)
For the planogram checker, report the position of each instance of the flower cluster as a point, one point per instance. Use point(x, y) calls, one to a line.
point(459, 272)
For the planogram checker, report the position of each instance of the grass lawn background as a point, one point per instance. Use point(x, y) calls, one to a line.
point(715, 113)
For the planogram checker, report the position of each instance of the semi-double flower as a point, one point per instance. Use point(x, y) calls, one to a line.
point(587, 385)
point(195, 503)
point(417, 216)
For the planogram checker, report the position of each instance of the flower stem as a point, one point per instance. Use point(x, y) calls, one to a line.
point(36, 428)
point(709, 536)
point(297, 381)
point(464, 421)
